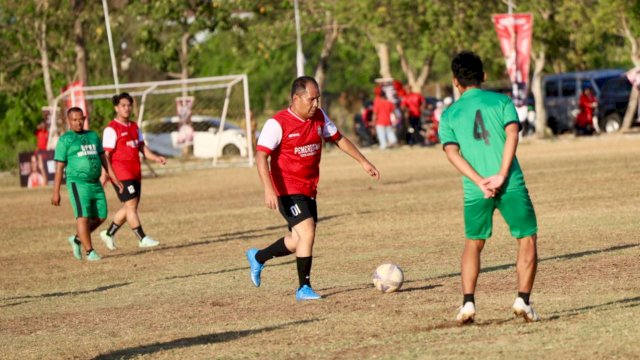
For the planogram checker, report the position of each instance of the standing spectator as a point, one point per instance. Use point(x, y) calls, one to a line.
point(122, 142)
point(292, 140)
point(587, 105)
point(480, 137)
point(383, 113)
point(81, 153)
point(413, 104)
point(362, 124)
point(42, 137)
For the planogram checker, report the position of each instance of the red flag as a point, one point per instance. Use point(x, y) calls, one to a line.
point(515, 32)
point(76, 99)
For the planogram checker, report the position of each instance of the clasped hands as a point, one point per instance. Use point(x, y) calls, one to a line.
point(491, 186)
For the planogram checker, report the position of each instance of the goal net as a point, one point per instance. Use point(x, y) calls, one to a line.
point(198, 118)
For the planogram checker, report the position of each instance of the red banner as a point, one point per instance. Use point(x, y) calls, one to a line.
point(514, 33)
point(76, 99)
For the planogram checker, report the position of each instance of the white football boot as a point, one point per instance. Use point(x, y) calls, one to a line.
point(524, 310)
point(466, 313)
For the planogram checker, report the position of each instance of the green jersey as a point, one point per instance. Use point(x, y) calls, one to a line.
point(81, 152)
point(476, 123)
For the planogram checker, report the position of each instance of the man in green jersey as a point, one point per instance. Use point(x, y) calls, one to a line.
point(479, 133)
point(80, 151)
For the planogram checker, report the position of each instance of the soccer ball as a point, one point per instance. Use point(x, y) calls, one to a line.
point(388, 277)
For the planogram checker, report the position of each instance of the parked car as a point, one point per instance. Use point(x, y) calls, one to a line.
point(612, 104)
point(162, 137)
point(562, 94)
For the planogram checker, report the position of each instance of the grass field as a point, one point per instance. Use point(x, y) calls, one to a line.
point(191, 298)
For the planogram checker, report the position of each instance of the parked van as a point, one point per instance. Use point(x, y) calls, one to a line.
point(612, 104)
point(562, 94)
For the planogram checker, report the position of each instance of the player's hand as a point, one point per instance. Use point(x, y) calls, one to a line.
point(494, 182)
point(118, 184)
point(370, 169)
point(161, 159)
point(55, 199)
point(270, 199)
point(488, 193)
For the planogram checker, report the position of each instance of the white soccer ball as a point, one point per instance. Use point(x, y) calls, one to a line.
point(388, 277)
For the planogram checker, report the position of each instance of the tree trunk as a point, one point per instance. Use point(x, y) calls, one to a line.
point(331, 33)
point(80, 48)
point(41, 43)
point(415, 83)
point(536, 88)
point(635, 57)
point(383, 56)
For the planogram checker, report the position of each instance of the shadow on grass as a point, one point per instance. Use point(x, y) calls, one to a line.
point(557, 257)
point(240, 235)
point(223, 271)
point(628, 303)
point(212, 338)
point(66, 293)
point(369, 286)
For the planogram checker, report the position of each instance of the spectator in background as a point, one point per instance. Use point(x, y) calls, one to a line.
point(42, 136)
point(584, 120)
point(362, 125)
point(383, 114)
point(413, 103)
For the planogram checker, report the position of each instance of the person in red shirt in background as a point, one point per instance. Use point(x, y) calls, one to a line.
point(122, 142)
point(413, 103)
point(584, 120)
point(288, 161)
point(42, 137)
point(383, 118)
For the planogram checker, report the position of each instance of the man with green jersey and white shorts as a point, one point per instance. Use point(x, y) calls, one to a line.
point(80, 151)
point(479, 133)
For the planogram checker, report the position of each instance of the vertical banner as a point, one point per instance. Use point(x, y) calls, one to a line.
point(36, 168)
point(514, 33)
point(76, 99)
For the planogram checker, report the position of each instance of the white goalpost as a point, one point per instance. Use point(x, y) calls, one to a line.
point(196, 118)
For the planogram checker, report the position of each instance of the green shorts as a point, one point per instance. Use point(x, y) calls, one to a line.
point(87, 199)
point(516, 209)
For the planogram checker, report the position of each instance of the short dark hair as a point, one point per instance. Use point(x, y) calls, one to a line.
point(299, 85)
point(75, 109)
point(116, 98)
point(467, 69)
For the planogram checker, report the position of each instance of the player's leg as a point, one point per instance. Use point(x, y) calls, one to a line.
point(128, 192)
point(84, 235)
point(382, 136)
point(478, 217)
point(518, 212)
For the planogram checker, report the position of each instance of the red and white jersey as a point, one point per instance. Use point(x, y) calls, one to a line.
point(295, 145)
point(123, 142)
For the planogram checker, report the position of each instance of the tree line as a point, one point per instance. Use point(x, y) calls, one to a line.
point(47, 44)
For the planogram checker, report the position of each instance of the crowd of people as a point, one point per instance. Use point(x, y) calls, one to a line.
point(399, 116)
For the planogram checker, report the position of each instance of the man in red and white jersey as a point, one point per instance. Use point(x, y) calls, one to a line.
point(122, 142)
point(288, 160)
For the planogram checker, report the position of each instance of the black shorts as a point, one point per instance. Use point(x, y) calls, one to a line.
point(131, 190)
point(297, 208)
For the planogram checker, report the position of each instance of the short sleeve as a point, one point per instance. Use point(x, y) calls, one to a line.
point(445, 131)
point(509, 114)
point(60, 153)
point(330, 130)
point(270, 136)
point(109, 138)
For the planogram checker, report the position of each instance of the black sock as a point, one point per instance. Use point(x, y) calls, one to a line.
point(304, 270)
point(139, 232)
point(113, 228)
point(467, 298)
point(76, 240)
point(524, 296)
point(274, 250)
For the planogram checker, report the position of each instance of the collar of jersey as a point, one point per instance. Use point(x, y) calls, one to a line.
point(469, 91)
point(296, 116)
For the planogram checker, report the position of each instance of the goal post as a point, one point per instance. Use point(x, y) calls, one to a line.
point(215, 117)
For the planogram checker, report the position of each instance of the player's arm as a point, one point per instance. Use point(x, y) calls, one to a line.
point(105, 159)
point(509, 152)
point(151, 155)
point(270, 197)
point(57, 182)
point(455, 158)
point(348, 148)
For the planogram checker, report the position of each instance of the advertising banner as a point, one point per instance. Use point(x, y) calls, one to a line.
point(36, 168)
point(514, 33)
